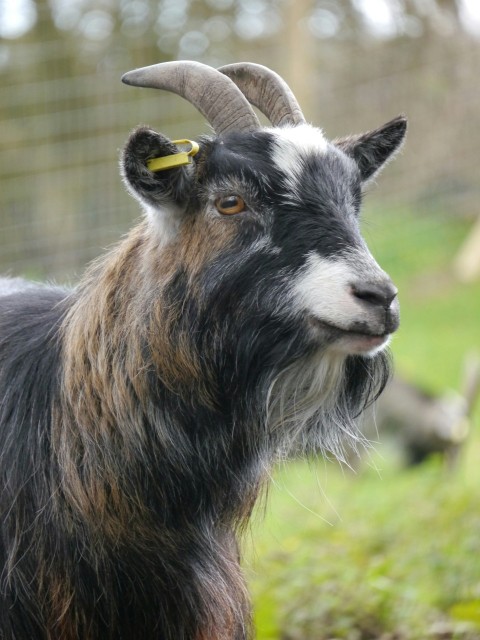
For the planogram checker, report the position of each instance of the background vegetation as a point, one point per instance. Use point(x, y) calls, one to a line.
point(386, 552)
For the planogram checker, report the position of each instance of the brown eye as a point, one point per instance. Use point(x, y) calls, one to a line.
point(230, 205)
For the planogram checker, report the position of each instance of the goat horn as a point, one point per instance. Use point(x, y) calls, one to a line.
point(266, 90)
point(217, 98)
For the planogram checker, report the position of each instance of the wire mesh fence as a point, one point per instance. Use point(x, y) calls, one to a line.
point(64, 115)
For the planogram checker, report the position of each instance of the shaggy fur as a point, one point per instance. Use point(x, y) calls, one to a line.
point(140, 412)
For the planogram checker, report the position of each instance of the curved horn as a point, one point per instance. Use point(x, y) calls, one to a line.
point(266, 90)
point(217, 98)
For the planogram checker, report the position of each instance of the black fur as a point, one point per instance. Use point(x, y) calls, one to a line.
point(29, 380)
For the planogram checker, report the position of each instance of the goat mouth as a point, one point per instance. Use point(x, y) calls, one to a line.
point(351, 341)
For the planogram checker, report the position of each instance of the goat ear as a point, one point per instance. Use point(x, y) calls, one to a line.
point(374, 149)
point(154, 189)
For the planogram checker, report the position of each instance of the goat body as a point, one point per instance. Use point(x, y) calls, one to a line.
point(243, 320)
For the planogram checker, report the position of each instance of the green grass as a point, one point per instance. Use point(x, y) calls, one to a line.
point(395, 553)
point(385, 553)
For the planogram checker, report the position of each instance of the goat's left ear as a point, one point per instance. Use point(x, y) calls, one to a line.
point(373, 149)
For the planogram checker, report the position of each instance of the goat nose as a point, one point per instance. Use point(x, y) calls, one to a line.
point(376, 294)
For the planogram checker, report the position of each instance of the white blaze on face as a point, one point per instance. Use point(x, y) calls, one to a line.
point(292, 145)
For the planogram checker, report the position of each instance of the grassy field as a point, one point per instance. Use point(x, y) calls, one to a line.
point(385, 553)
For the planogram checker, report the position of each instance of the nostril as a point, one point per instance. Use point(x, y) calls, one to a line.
point(379, 295)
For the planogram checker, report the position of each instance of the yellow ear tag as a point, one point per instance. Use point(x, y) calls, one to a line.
point(177, 159)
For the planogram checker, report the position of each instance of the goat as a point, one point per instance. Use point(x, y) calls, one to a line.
point(241, 321)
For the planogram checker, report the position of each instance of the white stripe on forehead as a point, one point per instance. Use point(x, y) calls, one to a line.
point(294, 143)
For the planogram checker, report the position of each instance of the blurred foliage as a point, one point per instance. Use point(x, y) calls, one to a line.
point(399, 557)
point(191, 27)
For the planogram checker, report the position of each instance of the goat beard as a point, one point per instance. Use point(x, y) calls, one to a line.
point(315, 405)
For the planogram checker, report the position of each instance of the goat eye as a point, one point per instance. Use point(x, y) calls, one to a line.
point(230, 205)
